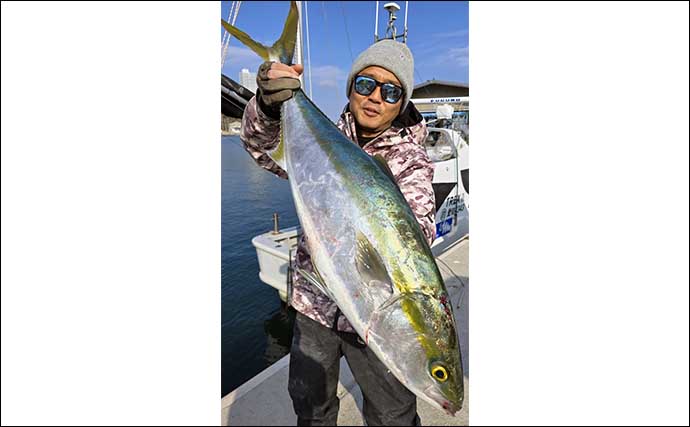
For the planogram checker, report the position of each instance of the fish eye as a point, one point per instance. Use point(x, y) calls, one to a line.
point(439, 373)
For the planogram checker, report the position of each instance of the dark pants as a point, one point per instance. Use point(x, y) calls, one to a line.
point(315, 369)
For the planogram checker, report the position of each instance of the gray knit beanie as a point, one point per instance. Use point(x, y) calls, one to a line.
point(391, 55)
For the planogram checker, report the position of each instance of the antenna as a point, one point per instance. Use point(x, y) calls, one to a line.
point(391, 7)
point(391, 30)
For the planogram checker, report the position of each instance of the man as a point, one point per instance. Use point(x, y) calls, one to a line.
point(380, 118)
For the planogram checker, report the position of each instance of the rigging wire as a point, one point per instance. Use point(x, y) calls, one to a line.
point(328, 44)
point(349, 46)
point(227, 41)
point(225, 34)
point(226, 37)
point(426, 88)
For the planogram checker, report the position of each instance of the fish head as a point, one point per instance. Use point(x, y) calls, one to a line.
point(414, 334)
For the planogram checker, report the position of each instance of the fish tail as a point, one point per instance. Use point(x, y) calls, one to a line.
point(282, 50)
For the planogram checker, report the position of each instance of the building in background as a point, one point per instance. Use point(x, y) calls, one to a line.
point(429, 95)
point(248, 79)
point(449, 99)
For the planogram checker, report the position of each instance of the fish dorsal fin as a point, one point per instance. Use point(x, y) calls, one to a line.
point(384, 165)
point(376, 281)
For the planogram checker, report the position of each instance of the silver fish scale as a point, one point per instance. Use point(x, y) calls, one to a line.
point(327, 211)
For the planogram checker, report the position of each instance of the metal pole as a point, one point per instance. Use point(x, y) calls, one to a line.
point(376, 28)
point(298, 44)
point(405, 32)
point(306, 19)
point(276, 230)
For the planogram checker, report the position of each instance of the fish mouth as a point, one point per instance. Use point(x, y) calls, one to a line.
point(449, 408)
point(441, 402)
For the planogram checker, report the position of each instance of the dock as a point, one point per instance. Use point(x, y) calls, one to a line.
point(264, 399)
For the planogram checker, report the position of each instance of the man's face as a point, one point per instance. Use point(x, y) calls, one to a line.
point(372, 113)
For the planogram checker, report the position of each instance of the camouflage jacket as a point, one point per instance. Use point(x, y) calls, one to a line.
point(402, 148)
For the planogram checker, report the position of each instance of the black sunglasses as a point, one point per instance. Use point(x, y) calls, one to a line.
point(389, 92)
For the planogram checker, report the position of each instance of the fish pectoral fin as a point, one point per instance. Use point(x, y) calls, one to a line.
point(316, 280)
point(375, 329)
point(375, 279)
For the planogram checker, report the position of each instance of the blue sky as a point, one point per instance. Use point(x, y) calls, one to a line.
point(340, 30)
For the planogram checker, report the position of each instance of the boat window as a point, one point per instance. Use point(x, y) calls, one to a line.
point(439, 146)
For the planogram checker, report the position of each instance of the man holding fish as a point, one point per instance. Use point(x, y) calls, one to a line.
point(365, 283)
point(382, 121)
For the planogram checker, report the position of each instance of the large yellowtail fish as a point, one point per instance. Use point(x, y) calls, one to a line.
point(369, 253)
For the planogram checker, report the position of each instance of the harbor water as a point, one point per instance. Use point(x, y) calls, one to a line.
point(256, 327)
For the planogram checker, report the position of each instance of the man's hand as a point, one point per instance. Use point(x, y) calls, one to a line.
point(276, 83)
